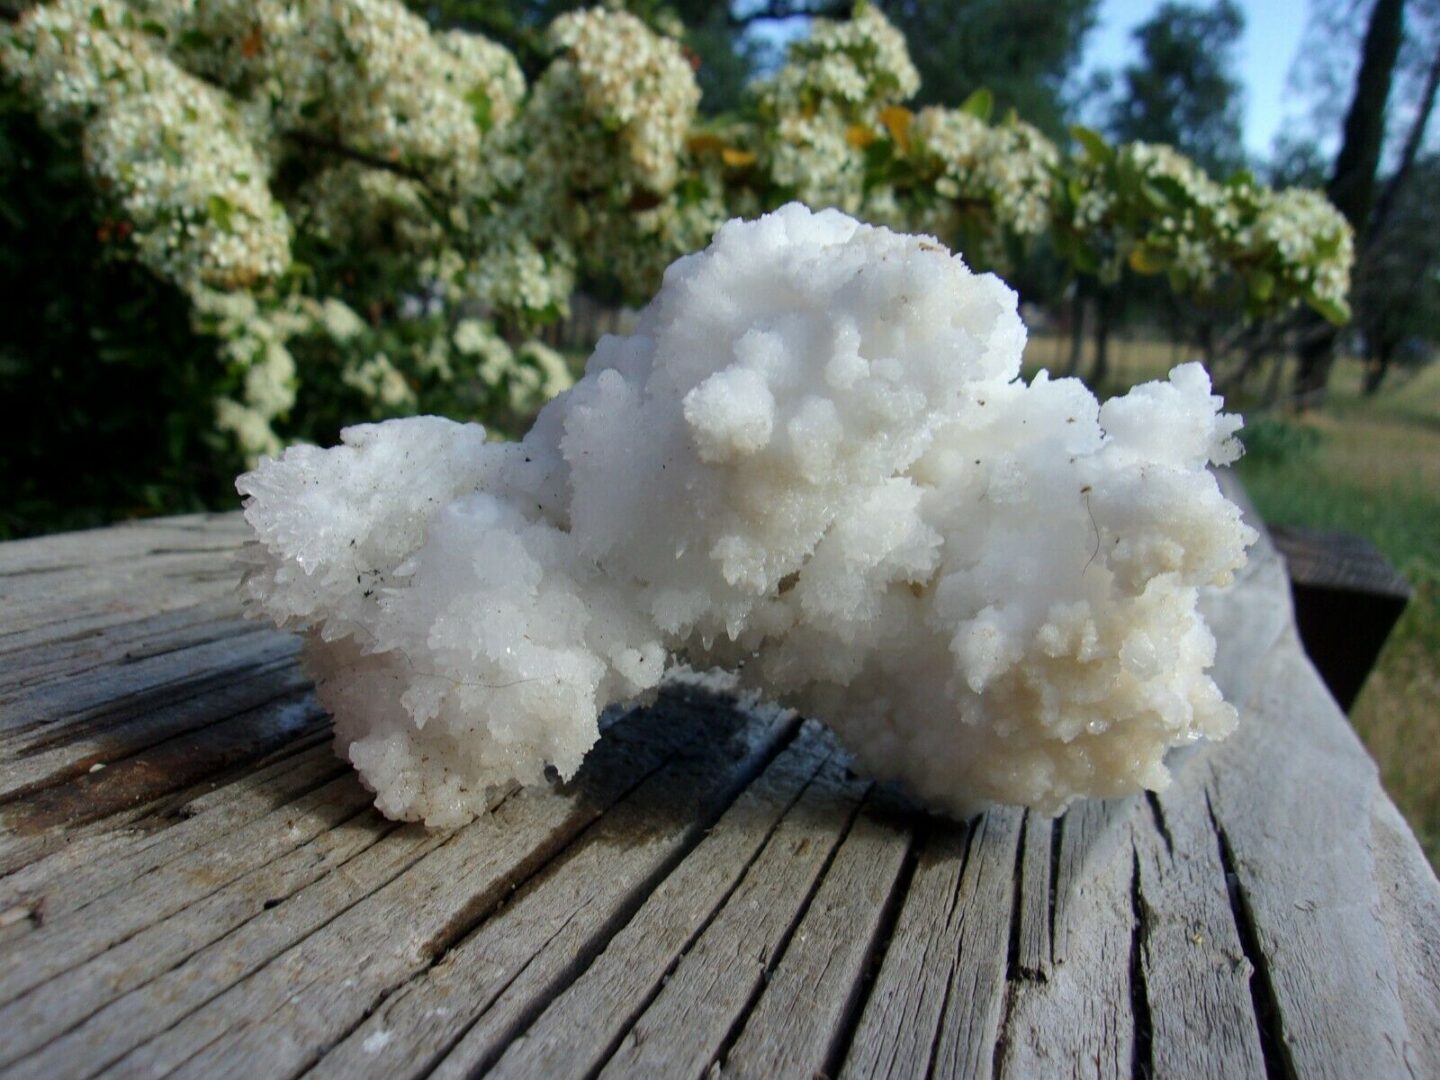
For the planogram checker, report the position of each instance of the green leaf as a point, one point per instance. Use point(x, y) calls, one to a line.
point(1145, 259)
point(1154, 196)
point(878, 156)
point(221, 212)
point(980, 104)
point(1336, 313)
point(1262, 285)
point(97, 18)
point(1328, 246)
point(154, 29)
point(1127, 178)
point(1085, 259)
point(1097, 150)
point(1171, 190)
point(480, 108)
point(170, 148)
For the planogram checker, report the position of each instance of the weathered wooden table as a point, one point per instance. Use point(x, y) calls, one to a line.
point(192, 883)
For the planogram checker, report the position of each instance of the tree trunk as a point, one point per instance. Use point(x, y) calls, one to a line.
point(1352, 185)
point(1316, 356)
point(1377, 366)
point(1252, 348)
point(1077, 330)
point(1205, 338)
point(1272, 383)
point(1100, 371)
point(1413, 141)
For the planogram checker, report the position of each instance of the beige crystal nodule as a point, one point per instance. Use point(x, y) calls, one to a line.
point(814, 462)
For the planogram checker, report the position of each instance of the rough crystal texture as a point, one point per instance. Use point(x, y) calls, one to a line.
point(813, 463)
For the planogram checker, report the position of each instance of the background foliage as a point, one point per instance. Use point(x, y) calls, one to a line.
point(420, 262)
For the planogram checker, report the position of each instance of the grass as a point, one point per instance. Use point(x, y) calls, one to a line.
point(1369, 466)
point(1376, 471)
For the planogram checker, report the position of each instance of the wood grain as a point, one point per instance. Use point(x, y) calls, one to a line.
point(191, 883)
point(799, 1026)
point(580, 1027)
point(937, 1001)
point(1083, 1020)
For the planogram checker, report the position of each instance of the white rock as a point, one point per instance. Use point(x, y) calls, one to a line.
point(813, 462)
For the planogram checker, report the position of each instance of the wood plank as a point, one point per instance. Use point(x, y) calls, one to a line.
point(937, 1001)
point(45, 606)
point(974, 1004)
point(1307, 894)
point(1036, 904)
point(311, 995)
point(470, 1007)
point(75, 551)
point(66, 1000)
point(113, 693)
point(65, 588)
point(1347, 599)
point(1409, 916)
point(901, 1019)
point(1319, 782)
point(85, 614)
point(720, 976)
point(132, 584)
point(580, 1028)
point(166, 767)
point(1195, 972)
point(49, 660)
point(588, 931)
point(1082, 1021)
point(1338, 560)
point(151, 1009)
point(802, 1023)
point(87, 867)
point(65, 752)
point(87, 930)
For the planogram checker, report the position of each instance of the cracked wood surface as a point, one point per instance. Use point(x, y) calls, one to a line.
point(191, 883)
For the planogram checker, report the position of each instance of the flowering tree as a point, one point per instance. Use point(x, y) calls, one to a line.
point(371, 218)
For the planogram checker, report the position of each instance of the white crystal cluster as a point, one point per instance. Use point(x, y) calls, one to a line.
point(813, 463)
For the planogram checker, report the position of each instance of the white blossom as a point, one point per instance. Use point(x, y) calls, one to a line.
point(221, 137)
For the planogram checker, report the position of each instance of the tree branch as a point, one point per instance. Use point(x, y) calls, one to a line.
point(349, 153)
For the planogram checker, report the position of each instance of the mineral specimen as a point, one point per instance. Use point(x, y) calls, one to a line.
point(814, 463)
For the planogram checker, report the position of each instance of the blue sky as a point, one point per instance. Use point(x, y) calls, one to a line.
point(1263, 59)
point(1273, 29)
